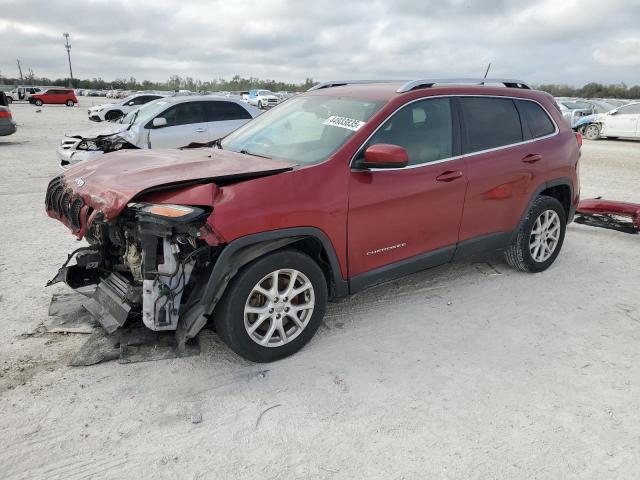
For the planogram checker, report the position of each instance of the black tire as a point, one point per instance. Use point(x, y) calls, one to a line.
point(113, 115)
point(518, 254)
point(9, 100)
point(260, 104)
point(69, 103)
point(229, 314)
point(592, 132)
point(38, 103)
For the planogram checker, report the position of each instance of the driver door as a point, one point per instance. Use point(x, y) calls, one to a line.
point(186, 123)
point(623, 123)
point(407, 219)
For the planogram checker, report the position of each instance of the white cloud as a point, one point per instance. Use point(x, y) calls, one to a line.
point(619, 52)
point(545, 41)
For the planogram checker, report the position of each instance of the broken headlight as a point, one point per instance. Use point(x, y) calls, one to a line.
point(88, 145)
point(168, 214)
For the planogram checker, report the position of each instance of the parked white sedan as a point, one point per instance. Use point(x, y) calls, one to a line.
point(621, 122)
point(113, 111)
point(170, 122)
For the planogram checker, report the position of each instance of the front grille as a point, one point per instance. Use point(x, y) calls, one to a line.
point(63, 203)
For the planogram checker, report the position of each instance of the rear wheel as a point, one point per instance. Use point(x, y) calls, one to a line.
point(273, 306)
point(38, 103)
point(540, 236)
point(592, 132)
point(69, 103)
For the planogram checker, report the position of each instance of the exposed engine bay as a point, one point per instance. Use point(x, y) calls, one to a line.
point(143, 263)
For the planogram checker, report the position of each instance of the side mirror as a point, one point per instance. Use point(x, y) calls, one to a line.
point(384, 155)
point(159, 122)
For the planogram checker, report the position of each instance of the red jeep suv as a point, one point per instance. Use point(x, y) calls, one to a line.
point(60, 96)
point(343, 187)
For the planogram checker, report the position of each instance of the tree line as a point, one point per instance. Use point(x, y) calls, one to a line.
point(238, 83)
point(175, 82)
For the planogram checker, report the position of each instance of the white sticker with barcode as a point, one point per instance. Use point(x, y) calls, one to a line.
point(344, 122)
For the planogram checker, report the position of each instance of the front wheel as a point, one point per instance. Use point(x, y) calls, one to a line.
point(38, 103)
point(540, 236)
point(260, 104)
point(592, 132)
point(113, 115)
point(9, 100)
point(273, 306)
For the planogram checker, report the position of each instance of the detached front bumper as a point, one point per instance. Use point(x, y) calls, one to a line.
point(69, 156)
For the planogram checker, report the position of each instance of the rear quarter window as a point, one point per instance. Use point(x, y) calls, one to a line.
point(535, 118)
point(490, 123)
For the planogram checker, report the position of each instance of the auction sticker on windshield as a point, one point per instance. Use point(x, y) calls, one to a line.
point(344, 122)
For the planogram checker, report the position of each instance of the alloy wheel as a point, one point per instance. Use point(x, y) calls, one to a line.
point(279, 307)
point(545, 235)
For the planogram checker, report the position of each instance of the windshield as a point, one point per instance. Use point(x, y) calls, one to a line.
point(145, 113)
point(304, 129)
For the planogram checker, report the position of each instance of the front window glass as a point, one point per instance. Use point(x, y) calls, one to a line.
point(424, 129)
point(305, 129)
point(144, 113)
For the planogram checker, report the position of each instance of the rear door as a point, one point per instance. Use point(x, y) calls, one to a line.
point(186, 123)
point(505, 159)
point(224, 117)
point(396, 216)
point(622, 123)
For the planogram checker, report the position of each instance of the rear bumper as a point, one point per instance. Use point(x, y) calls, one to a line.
point(8, 128)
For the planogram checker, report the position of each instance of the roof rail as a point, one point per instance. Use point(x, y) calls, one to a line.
point(430, 82)
point(340, 83)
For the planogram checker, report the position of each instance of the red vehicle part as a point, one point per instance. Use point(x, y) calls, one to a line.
point(621, 216)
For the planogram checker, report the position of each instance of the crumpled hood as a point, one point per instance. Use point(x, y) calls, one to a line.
point(100, 130)
point(109, 183)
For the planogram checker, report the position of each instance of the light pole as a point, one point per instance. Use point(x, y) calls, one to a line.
point(67, 45)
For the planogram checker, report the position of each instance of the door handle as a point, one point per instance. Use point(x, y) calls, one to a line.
point(449, 176)
point(532, 158)
point(200, 130)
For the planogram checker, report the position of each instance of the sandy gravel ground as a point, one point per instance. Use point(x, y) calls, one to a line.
point(467, 371)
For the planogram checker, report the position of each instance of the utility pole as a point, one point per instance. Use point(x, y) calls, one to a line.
point(20, 70)
point(67, 45)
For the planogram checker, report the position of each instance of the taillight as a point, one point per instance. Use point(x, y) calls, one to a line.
point(579, 139)
point(4, 114)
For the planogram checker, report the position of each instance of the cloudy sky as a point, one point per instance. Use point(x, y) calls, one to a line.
point(558, 41)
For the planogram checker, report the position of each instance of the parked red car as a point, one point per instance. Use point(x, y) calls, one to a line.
point(335, 190)
point(60, 96)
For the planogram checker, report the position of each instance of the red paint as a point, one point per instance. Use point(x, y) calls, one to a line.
point(608, 207)
point(386, 156)
point(55, 98)
point(372, 218)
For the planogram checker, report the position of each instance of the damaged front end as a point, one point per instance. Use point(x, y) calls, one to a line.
point(76, 149)
point(143, 264)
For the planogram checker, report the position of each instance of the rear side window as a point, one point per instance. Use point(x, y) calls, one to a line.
point(222, 111)
point(490, 123)
point(536, 119)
